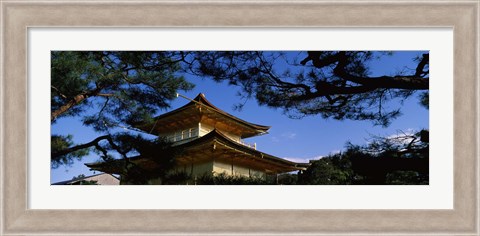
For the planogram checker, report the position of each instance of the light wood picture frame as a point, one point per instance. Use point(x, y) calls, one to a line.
point(18, 16)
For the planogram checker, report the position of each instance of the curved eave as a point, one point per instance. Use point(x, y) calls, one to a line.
point(219, 137)
point(214, 136)
point(111, 167)
point(200, 99)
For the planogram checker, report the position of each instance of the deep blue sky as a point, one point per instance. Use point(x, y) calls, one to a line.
point(295, 139)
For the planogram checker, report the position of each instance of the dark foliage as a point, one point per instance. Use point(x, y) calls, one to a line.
point(333, 84)
point(224, 179)
point(335, 169)
point(159, 152)
point(401, 159)
point(59, 143)
point(126, 85)
point(108, 90)
point(287, 179)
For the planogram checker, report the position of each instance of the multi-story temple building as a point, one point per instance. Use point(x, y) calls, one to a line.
point(211, 141)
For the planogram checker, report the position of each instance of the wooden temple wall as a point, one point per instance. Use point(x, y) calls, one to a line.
point(196, 169)
point(181, 136)
point(232, 169)
point(216, 167)
point(204, 129)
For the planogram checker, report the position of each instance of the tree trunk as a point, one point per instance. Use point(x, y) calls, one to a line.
point(77, 99)
point(79, 147)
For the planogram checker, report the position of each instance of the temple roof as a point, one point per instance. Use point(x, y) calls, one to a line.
point(216, 146)
point(228, 146)
point(100, 179)
point(201, 110)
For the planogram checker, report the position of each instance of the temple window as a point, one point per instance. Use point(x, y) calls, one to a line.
point(182, 135)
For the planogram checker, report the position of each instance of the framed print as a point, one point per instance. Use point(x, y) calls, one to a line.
point(30, 205)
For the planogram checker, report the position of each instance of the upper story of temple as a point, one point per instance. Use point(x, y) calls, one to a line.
point(198, 118)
